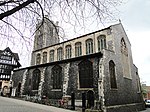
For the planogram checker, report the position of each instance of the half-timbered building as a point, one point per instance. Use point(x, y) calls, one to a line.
point(8, 61)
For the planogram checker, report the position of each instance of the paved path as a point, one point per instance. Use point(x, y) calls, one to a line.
point(14, 105)
point(147, 110)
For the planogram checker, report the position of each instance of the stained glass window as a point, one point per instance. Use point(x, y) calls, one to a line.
point(36, 79)
point(86, 74)
point(112, 74)
point(57, 77)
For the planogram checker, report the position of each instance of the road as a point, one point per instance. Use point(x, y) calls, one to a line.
point(147, 110)
point(14, 105)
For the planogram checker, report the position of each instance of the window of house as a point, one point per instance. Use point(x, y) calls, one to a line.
point(36, 77)
point(44, 57)
point(101, 42)
point(59, 54)
point(78, 49)
point(89, 46)
point(38, 59)
point(51, 56)
point(68, 51)
point(57, 77)
point(86, 74)
point(112, 75)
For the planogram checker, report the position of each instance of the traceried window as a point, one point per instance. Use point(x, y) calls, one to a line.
point(124, 49)
point(51, 57)
point(86, 74)
point(112, 75)
point(59, 54)
point(57, 77)
point(68, 51)
point(78, 49)
point(89, 46)
point(44, 57)
point(125, 59)
point(101, 42)
point(36, 77)
point(38, 59)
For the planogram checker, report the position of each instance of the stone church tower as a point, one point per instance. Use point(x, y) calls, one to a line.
point(46, 35)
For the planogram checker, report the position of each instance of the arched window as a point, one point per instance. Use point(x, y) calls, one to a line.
point(78, 49)
point(51, 31)
point(38, 59)
point(39, 39)
point(124, 49)
point(44, 57)
point(101, 42)
point(89, 46)
point(51, 56)
point(36, 77)
point(59, 53)
point(57, 77)
point(125, 59)
point(68, 51)
point(86, 74)
point(112, 74)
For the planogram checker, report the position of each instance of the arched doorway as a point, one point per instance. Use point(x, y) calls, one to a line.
point(19, 89)
point(90, 99)
point(5, 90)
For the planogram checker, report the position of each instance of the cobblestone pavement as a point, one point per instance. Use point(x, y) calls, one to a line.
point(14, 105)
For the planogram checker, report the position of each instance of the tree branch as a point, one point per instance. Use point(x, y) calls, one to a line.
point(12, 11)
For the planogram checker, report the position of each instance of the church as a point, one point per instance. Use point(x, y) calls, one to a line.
point(99, 64)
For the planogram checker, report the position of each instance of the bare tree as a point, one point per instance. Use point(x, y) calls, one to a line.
point(18, 18)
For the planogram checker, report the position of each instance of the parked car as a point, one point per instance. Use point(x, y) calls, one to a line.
point(147, 103)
